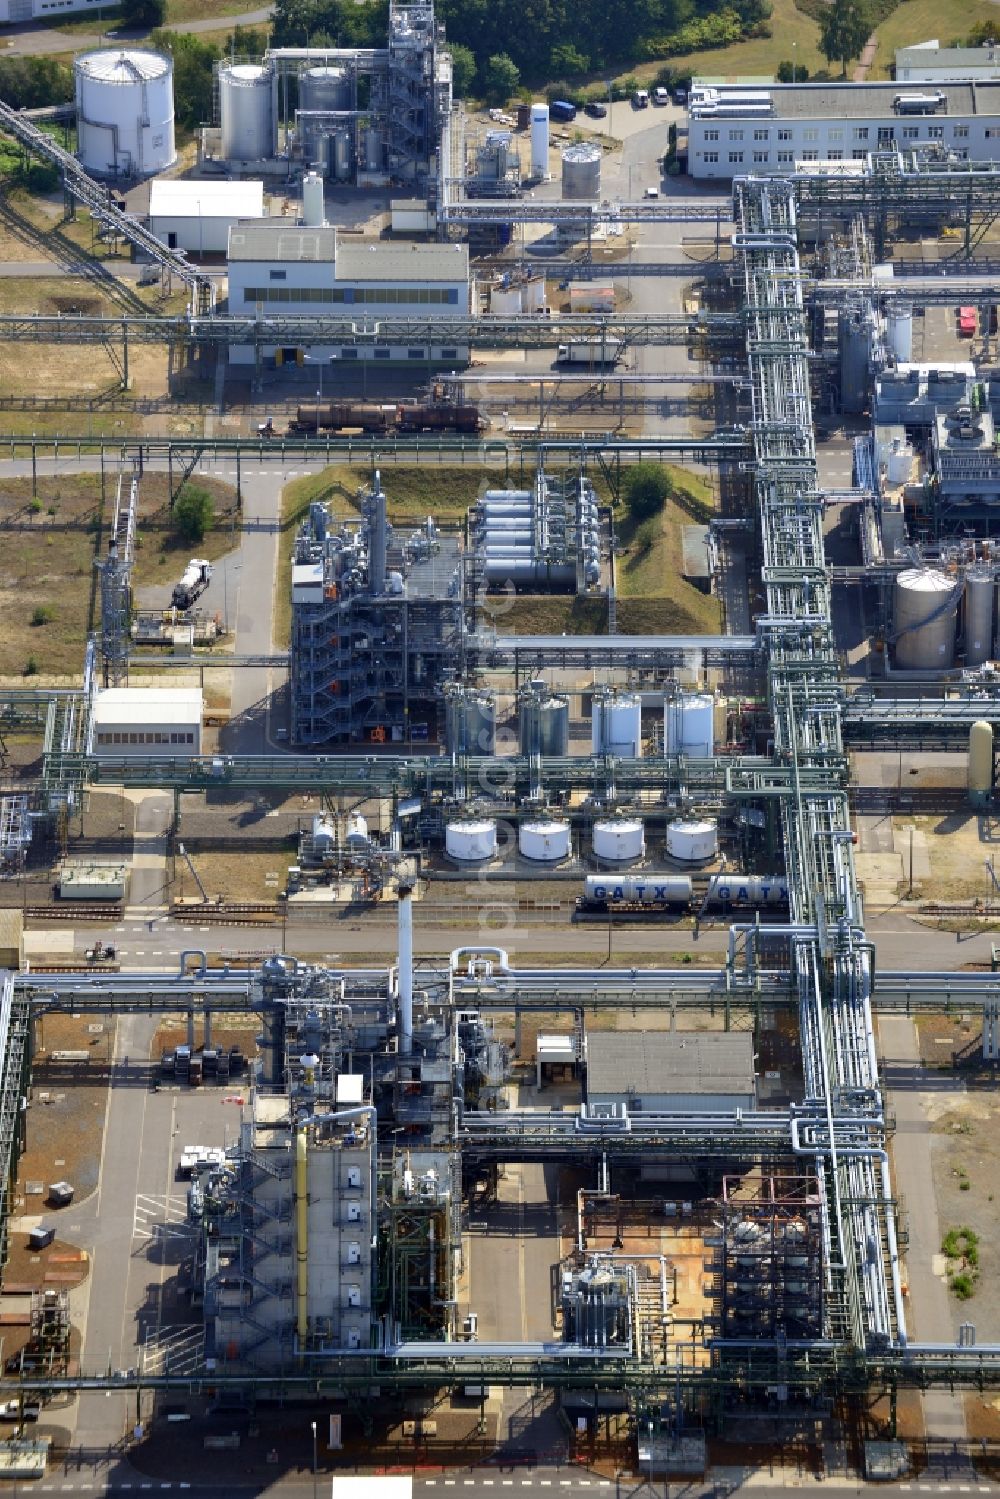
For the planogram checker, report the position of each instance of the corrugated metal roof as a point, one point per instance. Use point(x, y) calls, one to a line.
point(365, 261)
point(206, 200)
point(278, 239)
point(694, 551)
point(656, 1062)
point(141, 705)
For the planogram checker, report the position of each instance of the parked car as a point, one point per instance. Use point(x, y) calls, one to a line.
point(660, 96)
point(640, 99)
point(596, 110)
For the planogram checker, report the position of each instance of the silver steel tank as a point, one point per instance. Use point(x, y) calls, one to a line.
point(925, 617)
point(470, 723)
point(543, 724)
point(581, 173)
point(248, 111)
point(980, 593)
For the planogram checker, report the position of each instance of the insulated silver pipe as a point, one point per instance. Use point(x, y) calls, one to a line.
point(404, 981)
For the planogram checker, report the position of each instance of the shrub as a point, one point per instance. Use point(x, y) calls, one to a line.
point(645, 488)
point(194, 513)
point(41, 615)
point(31, 667)
point(963, 1285)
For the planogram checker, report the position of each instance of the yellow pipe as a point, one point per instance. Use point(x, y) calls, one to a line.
point(301, 1237)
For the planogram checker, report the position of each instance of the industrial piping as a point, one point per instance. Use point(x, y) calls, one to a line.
point(404, 978)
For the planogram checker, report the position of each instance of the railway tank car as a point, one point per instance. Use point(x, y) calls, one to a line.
point(338, 416)
point(671, 892)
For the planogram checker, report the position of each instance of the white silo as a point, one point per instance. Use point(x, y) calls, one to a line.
point(546, 840)
point(539, 140)
point(616, 725)
point(689, 725)
point(899, 331)
point(313, 205)
point(620, 840)
point(980, 763)
point(692, 840)
point(248, 111)
point(926, 613)
point(124, 112)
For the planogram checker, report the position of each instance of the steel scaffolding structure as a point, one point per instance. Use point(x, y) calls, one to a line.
point(830, 956)
point(116, 583)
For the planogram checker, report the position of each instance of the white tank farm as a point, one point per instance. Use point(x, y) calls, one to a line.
point(248, 111)
point(747, 890)
point(471, 842)
point(124, 112)
point(689, 725)
point(621, 839)
point(616, 725)
point(539, 140)
point(547, 840)
point(926, 612)
point(640, 890)
point(980, 763)
point(692, 840)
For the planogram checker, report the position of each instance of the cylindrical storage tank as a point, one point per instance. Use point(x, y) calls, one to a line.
point(926, 613)
point(581, 173)
point(689, 725)
point(341, 158)
point(979, 596)
point(899, 331)
point(324, 836)
point(854, 337)
point(470, 723)
point(357, 832)
point(616, 727)
point(692, 841)
point(641, 890)
point(373, 150)
point(324, 89)
point(543, 724)
point(619, 839)
point(546, 840)
point(124, 112)
point(313, 206)
point(980, 763)
point(747, 890)
point(471, 842)
point(539, 140)
point(248, 111)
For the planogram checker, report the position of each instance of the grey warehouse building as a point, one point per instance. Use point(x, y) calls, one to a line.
point(671, 1072)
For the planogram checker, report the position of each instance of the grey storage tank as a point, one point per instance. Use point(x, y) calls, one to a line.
point(581, 173)
point(926, 614)
point(470, 722)
point(248, 111)
point(979, 598)
point(322, 91)
point(543, 723)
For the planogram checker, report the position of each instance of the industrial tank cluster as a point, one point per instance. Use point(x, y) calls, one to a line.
point(934, 608)
point(547, 537)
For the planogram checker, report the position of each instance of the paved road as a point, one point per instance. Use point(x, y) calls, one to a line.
point(35, 40)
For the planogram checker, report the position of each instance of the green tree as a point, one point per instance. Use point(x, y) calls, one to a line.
point(501, 77)
point(193, 61)
point(843, 31)
point(565, 58)
point(981, 35)
point(792, 72)
point(463, 69)
point(194, 513)
point(646, 488)
point(143, 15)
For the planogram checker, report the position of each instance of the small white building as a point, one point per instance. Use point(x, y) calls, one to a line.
point(146, 722)
point(929, 62)
point(194, 215)
point(279, 269)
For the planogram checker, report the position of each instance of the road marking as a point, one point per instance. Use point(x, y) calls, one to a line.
point(508, 1483)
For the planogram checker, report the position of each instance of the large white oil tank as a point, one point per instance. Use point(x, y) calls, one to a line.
point(471, 842)
point(616, 726)
point(979, 596)
point(581, 173)
point(926, 613)
point(313, 205)
point(899, 330)
point(124, 112)
point(689, 725)
point(693, 840)
point(546, 840)
point(539, 140)
point(248, 111)
point(619, 839)
point(980, 763)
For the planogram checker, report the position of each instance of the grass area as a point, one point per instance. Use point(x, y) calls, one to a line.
point(412, 493)
point(761, 55)
point(650, 587)
point(47, 578)
point(235, 874)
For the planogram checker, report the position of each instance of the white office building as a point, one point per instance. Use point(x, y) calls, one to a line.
point(929, 62)
point(140, 722)
point(769, 129)
point(279, 269)
point(197, 215)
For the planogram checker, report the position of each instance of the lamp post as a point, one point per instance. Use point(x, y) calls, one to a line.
point(314, 1458)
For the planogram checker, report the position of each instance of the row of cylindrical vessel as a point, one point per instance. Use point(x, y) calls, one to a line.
point(543, 723)
point(617, 840)
point(371, 417)
point(601, 892)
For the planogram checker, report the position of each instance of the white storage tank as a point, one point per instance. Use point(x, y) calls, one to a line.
point(357, 832)
point(900, 331)
point(979, 597)
point(692, 840)
point(539, 140)
point(926, 613)
point(980, 763)
point(616, 725)
point(471, 842)
point(248, 111)
point(898, 461)
point(324, 836)
point(124, 112)
point(581, 173)
point(547, 840)
point(619, 839)
point(313, 205)
point(689, 725)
